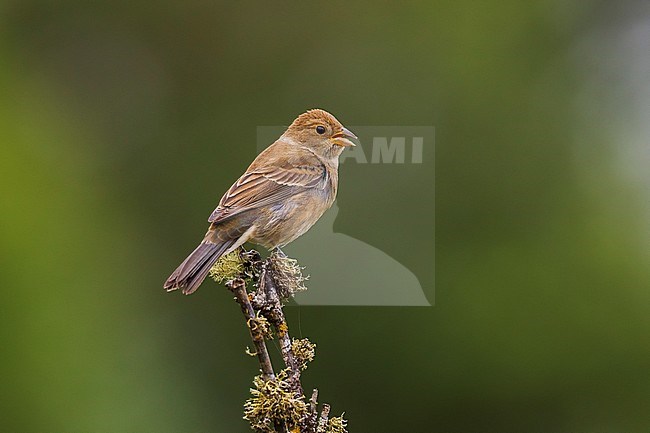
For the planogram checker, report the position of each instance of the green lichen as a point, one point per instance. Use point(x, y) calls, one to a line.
point(228, 267)
point(273, 402)
point(260, 327)
point(337, 424)
point(303, 350)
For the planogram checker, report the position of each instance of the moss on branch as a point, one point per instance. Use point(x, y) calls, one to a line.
point(278, 403)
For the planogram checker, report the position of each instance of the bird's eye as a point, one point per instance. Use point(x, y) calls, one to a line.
point(320, 129)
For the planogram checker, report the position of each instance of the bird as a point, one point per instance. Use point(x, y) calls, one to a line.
point(281, 195)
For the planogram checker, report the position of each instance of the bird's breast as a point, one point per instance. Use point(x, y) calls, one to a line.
point(281, 223)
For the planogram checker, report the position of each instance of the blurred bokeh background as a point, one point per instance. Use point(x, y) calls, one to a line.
point(122, 123)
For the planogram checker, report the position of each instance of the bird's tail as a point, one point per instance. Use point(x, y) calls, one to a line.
point(191, 273)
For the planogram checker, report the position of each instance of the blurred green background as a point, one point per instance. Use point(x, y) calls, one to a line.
point(122, 123)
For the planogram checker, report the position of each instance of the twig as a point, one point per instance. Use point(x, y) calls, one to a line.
point(310, 422)
point(238, 287)
point(313, 401)
point(278, 404)
point(324, 415)
point(275, 315)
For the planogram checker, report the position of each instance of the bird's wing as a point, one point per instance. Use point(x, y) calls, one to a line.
point(265, 184)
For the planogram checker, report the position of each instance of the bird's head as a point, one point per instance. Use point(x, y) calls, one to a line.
point(320, 131)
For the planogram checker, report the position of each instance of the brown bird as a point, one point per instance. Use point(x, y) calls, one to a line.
point(280, 196)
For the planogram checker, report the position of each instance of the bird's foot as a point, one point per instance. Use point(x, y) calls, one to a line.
point(278, 252)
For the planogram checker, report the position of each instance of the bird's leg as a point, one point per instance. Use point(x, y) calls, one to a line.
point(278, 252)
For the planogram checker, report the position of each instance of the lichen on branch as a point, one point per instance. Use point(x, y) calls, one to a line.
point(278, 403)
point(228, 267)
point(273, 402)
point(304, 351)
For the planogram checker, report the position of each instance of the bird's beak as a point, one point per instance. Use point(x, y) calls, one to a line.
point(343, 138)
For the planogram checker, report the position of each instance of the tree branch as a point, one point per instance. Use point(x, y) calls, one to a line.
point(278, 403)
point(238, 287)
point(275, 315)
